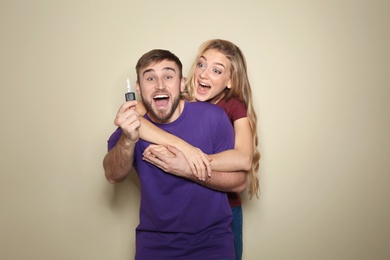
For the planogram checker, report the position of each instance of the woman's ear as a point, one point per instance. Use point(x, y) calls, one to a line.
point(229, 85)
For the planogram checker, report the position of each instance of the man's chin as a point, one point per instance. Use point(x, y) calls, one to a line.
point(159, 116)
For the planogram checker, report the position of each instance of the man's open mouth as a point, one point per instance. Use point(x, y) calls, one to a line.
point(161, 100)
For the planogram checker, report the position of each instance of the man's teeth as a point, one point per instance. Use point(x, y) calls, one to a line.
point(161, 96)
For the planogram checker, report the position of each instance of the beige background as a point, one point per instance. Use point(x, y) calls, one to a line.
point(320, 77)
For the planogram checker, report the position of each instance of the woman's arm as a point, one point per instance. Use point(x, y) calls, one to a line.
point(239, 158)
point(172, 161)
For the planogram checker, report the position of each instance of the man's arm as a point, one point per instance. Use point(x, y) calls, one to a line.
point(119, 160)
point(223, 181)
point(177, 165)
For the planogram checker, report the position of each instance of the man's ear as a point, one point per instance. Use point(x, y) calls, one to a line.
point(137, 87)
point(182, 84)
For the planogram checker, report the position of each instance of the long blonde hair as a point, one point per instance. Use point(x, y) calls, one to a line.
point(241, 89)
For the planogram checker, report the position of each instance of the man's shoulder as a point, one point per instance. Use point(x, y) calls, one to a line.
point(207, 112)
point(198, 105)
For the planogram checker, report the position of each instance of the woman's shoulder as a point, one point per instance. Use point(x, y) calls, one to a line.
point(234, 108)
point(233, 103)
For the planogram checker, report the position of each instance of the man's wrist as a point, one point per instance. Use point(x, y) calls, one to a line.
point(126, 143)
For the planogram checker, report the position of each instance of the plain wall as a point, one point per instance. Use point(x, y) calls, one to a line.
point(320, 77)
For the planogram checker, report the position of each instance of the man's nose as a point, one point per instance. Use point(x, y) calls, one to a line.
point(160, 84)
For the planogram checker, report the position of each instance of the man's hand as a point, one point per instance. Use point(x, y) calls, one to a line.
point(128, 120)
point(171, 160)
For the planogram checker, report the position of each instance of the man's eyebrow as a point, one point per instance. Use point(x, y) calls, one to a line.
point(216, 63)
point(169, 68)
point(152, 70)
point(146, 71)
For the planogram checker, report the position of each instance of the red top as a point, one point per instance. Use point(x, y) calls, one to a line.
point(235, 109)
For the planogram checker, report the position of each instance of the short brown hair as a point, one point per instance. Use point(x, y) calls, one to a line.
point(157, 55)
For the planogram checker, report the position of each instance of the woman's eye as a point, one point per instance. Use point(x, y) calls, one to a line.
point(168, 77)
point(217, 71)
point(201, 65)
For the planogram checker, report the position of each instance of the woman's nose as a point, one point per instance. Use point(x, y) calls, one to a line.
point(203, 74)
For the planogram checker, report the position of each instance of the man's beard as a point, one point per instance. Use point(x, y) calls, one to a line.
point(160, 116)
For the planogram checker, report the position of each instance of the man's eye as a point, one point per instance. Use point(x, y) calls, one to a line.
point(149, 78)
point(168, 77)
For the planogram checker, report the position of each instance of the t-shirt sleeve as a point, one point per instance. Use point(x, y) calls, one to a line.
point(238, 111)
point(234, 108)
point(114, 138)
point(223, 133)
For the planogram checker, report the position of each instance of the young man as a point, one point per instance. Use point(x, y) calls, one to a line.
point(180, 216)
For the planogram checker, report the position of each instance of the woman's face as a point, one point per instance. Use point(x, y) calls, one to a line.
point(211, 75)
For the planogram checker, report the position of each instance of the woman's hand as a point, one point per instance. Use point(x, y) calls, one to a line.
point(167, 158)
point(157, 148)
point(198, 161)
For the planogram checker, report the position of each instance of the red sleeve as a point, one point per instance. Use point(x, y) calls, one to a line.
point(234, 108)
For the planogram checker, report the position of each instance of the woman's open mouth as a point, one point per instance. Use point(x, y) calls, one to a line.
point(203, 88)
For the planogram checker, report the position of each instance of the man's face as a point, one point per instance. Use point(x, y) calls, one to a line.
point(160, 86)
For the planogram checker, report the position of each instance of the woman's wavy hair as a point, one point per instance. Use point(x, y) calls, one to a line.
point(241, 89)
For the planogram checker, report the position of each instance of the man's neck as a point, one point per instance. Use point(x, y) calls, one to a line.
point(179, 109)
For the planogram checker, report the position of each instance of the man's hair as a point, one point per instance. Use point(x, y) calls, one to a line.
point(155, 56)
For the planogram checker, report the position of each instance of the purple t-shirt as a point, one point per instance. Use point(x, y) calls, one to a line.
point(180, 219)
